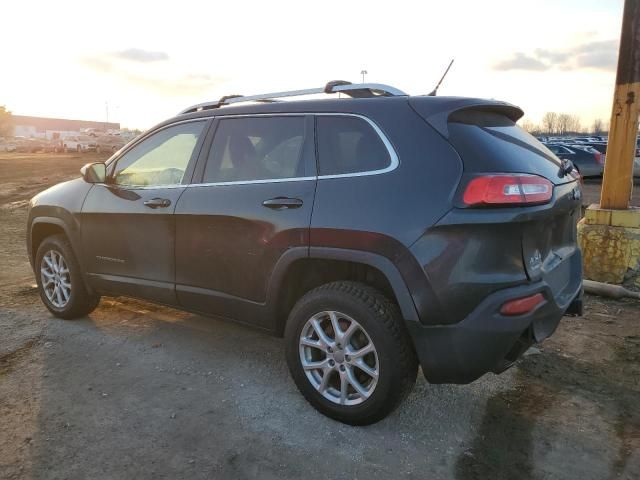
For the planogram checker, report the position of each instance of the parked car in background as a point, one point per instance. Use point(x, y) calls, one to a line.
point(29, 145)
point(587, 160)
point(599, 146)
point(53, 145)
point(79, 143)
point(109, 143)
point(7, 145)
point(585, 139)
point(602, 148)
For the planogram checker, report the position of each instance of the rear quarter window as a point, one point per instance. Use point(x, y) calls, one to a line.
point(349, 145)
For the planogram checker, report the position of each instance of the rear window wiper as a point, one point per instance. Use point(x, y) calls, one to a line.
point(565, 167)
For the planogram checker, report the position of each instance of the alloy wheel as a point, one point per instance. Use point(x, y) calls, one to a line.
point(339, 358)
point(55, 278)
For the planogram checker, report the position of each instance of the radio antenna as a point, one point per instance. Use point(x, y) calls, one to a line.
point(435, 90)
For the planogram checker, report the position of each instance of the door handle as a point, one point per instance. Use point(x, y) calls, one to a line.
point(157, 203)
point(280, 203)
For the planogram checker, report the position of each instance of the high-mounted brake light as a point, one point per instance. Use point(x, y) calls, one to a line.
point(508, 189)
point(520, 306)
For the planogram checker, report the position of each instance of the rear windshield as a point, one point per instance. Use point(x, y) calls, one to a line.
point(490, 142)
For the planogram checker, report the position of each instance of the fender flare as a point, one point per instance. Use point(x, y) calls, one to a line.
point(49, 221)
point(381, 263)
point(73, 239)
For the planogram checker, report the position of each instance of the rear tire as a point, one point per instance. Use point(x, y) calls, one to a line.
point(60, 282)
point(325, 365)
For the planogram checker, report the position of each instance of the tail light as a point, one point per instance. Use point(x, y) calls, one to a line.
point(508, 189)
point(599, 158)
point(520, 306)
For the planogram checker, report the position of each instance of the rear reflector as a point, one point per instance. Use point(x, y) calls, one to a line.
point(508, 189)
point(520, 306)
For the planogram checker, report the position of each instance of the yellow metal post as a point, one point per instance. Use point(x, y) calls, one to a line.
point(617, 183)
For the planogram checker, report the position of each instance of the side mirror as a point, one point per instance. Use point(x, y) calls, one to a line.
point(94, 172)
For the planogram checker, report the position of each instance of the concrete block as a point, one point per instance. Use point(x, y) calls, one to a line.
point(610, 243)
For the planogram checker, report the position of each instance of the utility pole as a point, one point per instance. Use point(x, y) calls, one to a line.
point(617, 183)
point(363, 73)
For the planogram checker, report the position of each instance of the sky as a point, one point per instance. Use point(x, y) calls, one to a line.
point(142, 62)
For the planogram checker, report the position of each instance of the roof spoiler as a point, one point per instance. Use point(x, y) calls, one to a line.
point(437, 110)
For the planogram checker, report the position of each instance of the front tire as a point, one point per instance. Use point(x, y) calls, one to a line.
point(59, 278)
point(349, 353)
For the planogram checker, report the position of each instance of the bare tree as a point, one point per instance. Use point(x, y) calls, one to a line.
point(562, 123)
point(567, 123)
point(6, 122)
point(550, 123)
point(529, 126)
point(598, 127)
point(574, 125)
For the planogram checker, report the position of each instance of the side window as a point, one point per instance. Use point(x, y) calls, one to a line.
point(160, 159)
point(349, 145)
point(256, 148)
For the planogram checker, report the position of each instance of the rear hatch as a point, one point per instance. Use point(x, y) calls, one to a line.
point(489, 142)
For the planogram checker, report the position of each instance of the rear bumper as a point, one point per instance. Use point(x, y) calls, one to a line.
point(486, 341)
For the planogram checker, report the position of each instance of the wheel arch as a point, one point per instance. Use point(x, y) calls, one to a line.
point(302, 269)
point(42, 227)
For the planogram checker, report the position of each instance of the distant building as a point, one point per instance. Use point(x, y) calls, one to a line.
point(52, 128)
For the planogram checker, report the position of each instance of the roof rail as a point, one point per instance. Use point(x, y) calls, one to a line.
point(354, 90)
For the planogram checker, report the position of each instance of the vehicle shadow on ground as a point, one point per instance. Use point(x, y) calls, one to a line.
point(520, 435)
point(139, 391)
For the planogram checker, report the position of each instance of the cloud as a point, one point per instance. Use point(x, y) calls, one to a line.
point(601, 55)
point(161, 78)
point(99, 64)
point(552, 56)
point(598, 55)
point(520, 61)
point(183, 85)
point(142, 56)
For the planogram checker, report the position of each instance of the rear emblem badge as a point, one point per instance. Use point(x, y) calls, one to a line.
point(536, 260)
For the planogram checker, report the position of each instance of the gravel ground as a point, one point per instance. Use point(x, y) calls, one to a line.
point(140, 391)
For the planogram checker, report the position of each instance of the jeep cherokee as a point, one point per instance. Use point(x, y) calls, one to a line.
point(377, 233)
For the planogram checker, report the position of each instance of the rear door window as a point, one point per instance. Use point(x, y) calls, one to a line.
point(349, 145)
point(256, 148)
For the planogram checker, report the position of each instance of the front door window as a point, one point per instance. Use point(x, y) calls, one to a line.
point(161, 159)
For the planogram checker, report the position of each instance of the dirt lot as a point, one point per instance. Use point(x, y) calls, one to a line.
point(141, 391)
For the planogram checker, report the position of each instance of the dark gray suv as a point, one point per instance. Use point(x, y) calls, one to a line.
point(378, 233)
